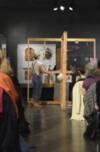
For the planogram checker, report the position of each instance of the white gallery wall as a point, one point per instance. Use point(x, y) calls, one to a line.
point(23, 64)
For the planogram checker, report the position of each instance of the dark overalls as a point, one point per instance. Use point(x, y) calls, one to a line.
point(36, 84)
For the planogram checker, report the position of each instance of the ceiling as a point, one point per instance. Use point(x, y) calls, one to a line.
point(48, 4)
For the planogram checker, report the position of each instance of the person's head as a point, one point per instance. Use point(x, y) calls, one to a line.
point(90, 70)
point(6, 67)
point(82, 72)
point(36, 56)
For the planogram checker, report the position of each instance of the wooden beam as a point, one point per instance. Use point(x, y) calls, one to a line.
point(80, 39)
point(28, 84)
point(63, 71)
point(44, 40)
point(94, 49)
point(59, 40)
point(59, 71)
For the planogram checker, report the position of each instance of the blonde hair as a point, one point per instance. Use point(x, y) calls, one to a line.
point(36, 56)
point(6, 67)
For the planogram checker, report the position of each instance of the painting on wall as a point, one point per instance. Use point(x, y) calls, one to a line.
point(25, 56)
point(29, 52)
point(26, 75)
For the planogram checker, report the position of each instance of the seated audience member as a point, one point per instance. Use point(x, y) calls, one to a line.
point(92, 76)
point(10, 113)
point(81, 75)
point(92, 111)
point(9, 136)
point(91, 101)
point(23, 124)
point(77, 96)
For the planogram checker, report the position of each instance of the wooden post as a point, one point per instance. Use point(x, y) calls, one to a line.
point(94, 49)
point(28, 85)
point(63, 70)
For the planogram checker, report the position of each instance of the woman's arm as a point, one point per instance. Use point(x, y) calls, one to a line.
point(43, 70)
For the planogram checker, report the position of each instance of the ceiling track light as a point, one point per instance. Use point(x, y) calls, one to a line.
point(62, 5)
point(59, 5)
point(71, 6)
point(55, 7)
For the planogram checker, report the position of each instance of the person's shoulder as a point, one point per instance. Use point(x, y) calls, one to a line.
point(39, 62)
point(88, 79)
point(78, 83)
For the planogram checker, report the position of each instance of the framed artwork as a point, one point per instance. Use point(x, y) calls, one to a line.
point(28, 53)
point(26, 76)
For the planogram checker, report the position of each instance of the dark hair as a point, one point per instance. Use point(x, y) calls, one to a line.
point(82, 71)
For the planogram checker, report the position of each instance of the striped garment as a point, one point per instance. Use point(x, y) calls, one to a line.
point(90, 100)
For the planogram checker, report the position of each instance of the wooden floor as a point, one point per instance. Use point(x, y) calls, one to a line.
point(53, 131)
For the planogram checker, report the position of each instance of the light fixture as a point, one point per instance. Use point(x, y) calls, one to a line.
point(76, 42)
point(62, 7)
point(71, 5)
point(75, 59)
point(55, 7)
point(59, 5)
point(70, 8)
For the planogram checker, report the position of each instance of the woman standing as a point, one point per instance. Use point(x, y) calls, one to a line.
point(38, 70)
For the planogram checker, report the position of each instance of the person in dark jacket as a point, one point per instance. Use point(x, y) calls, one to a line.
point(9, 115)
point(6, 68)
point(9, 136)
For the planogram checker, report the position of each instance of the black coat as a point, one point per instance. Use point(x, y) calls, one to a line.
point(9, 139)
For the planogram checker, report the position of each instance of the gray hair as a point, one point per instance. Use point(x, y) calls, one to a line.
point(90, 69)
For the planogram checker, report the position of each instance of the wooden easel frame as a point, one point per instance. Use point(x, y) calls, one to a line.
point(64, 57)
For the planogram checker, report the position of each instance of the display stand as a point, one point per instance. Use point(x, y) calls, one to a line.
point(63, 66)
